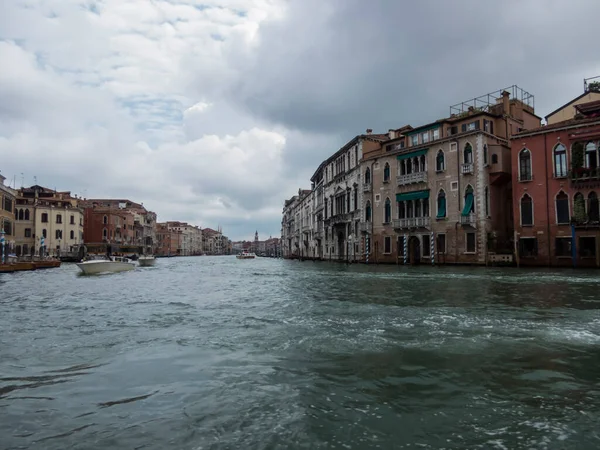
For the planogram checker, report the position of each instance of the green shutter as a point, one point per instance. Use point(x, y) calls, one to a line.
point(468, 204)
point(441, 208)
point(412, 154)
point(412, 195)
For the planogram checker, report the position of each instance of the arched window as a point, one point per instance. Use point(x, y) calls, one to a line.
point(579, 213)
point(21, 215)
point(562, 208)
point(441, 204)
point(591, 156)
point(44, 233)
point(526, 211)
point(58, 218)
point(422, 164)
point(469, 201)
point(468, 154)
point(560, 161)
point(494, 158)
point(386, 173)
point(439, 161)
point(105, 220)
point(524, 165)
point(485, 154)
point(104, 233)
point(387, 211)
point(368, 212)
point(26, 215)
point(593, 207)
point(72, 234)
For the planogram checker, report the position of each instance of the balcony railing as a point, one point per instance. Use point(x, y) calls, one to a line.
point(306, 228)
point(412, 222)
point(364, 227)
point(367, 187)
point(318, 234)
point(466, 168)
point(582, 175)
point(411, 178)
point(468, 220)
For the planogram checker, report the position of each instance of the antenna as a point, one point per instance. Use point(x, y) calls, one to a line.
point(34, 180)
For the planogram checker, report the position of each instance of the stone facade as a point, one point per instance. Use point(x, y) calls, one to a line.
point(55, 216)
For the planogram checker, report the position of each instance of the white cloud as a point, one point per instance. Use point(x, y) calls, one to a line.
point(99, 100)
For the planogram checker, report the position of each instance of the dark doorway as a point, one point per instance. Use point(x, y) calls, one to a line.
point(341, 245)
point(414, 250)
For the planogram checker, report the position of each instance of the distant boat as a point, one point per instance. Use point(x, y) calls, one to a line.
point(146, 261)
point(111, 264)
point(246, 255)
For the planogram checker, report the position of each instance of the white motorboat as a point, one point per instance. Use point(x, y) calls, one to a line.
point(246, 255)
point(111, 264)
point(146, 261)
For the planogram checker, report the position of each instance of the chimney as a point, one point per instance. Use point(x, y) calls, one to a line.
point(392, 134)
point(505, 103)
point(369, 130)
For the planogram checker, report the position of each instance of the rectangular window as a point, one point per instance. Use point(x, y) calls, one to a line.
point(454, 186)
point(441, 243)
point(425, 137)
point(426, 246)
point(27, 232)
point(44, 217)
point(563, 247)
point(453, 146)
point(72, 219)
point(387, 244)
point(414, 140)
point(435, 134)
point(7, 226)
point(470, 242)
point(58, 218)
point(587, 247)
point(8, 204)
point(528, 247)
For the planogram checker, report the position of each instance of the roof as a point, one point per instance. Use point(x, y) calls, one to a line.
point(567, 104)
point(571, 123)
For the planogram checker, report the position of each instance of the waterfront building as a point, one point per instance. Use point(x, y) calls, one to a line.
point(119, 221)
point(339, 192)
point(295, 226)
point(215, 242)
point(441, 192)
point(57, 217)
point(273, 247)
point(556, 184)
point(168, 240)
point(7, 218)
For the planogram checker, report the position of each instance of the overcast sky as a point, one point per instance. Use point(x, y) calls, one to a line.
point(213, 112)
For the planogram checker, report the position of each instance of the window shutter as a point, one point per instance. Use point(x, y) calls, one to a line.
point(463, 127)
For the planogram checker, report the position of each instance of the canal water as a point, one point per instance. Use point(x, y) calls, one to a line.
point(219, 353)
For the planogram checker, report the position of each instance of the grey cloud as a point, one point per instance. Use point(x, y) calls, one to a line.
point(345, 65)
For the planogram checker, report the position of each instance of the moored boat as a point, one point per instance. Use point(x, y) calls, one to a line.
point(146, 261)
point(46, 263)
point(112, 264)
point(246, 255)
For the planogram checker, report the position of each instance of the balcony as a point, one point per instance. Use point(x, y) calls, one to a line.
point(411, 178)
point(468, 221)
point(466, 169)
point(306, 228)
point(364, 227)
point(412, 222)
point(319, 207)
point(318, 233)
point(583, 175)
point(340, 218)
point(367, 187)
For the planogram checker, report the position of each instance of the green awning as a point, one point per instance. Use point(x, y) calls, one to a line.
point(441, 207)
point(468, 204)
point(415, 195)
point(412, 154)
